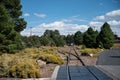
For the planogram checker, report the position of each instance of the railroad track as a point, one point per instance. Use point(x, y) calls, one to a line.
point(72, 54)
point(90, 70)
point(80, 60)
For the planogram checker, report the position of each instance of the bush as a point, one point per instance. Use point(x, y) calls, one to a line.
point(49, 58)
point(4, 65)
point(23, 64)
point(12, 65)
point(25, 69)
point(89, 51)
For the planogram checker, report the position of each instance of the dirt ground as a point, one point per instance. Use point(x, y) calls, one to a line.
point(48, 69)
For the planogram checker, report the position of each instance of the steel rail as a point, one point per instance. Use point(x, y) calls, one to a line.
point(78, 58)
point(84, 64)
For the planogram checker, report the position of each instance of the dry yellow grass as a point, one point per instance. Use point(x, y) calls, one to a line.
point(24, 63)
point(94, 51)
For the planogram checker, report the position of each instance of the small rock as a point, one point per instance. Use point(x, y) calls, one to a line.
point(41, 63)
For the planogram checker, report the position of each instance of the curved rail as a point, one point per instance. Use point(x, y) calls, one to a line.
point(78, 57)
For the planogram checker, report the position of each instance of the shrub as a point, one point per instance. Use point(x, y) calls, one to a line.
point(89, 51)
point(23, 64)
point(12, 65)
point(25, 69)
point(50, 58)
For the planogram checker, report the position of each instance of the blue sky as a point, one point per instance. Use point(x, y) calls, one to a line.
point(69, 16)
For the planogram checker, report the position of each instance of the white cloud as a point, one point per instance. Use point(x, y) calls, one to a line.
point(97, 24)
point(63, 27)
point(40, 15)
point(73, 20)
point(25, 32)
point(26, 14)
point(99, 18)
point(113, 18)
point(113, 13)
point(114, 23)
point(66, 26)
point(115, 26)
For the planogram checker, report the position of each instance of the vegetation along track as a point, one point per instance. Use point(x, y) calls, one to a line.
point(72, 52)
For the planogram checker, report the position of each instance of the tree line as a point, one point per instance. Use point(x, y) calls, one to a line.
point(90, 38)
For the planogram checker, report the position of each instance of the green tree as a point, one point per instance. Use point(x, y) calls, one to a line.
point(105, 38)
point(55, 37)
point(9, 39)
point(31, 41)
point(89, 38)
point(70, 39)
point(48, 33)
point(59, 41)
point(14, 9)
point(44, 41)
point(78, 38)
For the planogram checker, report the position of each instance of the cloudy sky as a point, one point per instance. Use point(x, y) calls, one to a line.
point(69, 16)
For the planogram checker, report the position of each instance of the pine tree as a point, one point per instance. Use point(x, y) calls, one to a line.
point(55, 37)
point(14, 9)
point(9, 39)
point(78, 38)
point(44, 41)
point(89, 38)
point(69, 39)
point(106, 37)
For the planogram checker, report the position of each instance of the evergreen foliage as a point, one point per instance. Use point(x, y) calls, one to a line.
point(14, 9)
point(69, 39)
point(78, 38)
point(9, 39)
point(44, 40)
point(31, 41)
point(50, 38)
point(106, 37)
point(55, 37)
point(89, 38)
